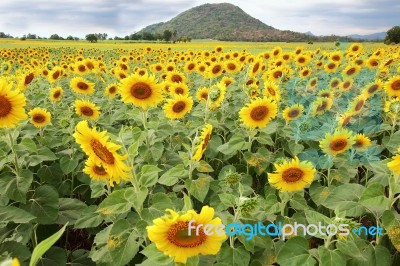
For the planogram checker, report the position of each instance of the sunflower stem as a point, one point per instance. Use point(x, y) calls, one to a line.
point(16, 164)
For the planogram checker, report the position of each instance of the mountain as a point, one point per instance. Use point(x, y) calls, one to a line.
point(373, 36)
point(309, 33)
point(225, 22)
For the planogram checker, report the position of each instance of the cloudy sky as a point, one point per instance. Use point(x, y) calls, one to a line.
point(123, 17)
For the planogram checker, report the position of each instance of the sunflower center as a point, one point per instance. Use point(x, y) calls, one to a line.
point(277, 74)
point(99, 170)
point(259, 113)
point(346, 85)
point(359, 105)
point(191, 66)
point(205, 143)
point(322, 107)
point(179, 236)
point(301, 60)
point(313, 82)
point(204, 96)
point(351, 71)
point(396, 85)
point(57, 94)
point(178, 107)
point(5, 106)
point(141, 90)
point(179, 90)
point(102, 152)
point(359, 143)
point(81, 68)
point(346, 121)
point(39, 118)
point(112, 89)
point(335, 58)
point(216, 69)
point(305, 73)
point(176, 78)
point(292, 175)
point(87, 111)
point(338, 145)
point(331, 66)
point(56, 75)
point(231, 66)
point(256, 67)
point(334, 84)
point(294, 113)
point(82, 85)
point(29, 78)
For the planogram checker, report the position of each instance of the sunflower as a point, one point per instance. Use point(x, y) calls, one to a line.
point(175, 77)
point(335, 57)
point(362, 142)
point(276, 74)
point(255, 68)
point(172, 235)
point(338, 142)
point(326, 94)
point(203, 142)
point(302, 60)
point(334, 83)
point(103, 153)
point(55, 74)
point(272, 90)
point(25, 80)
point(178, 106)
point(87, 109)
point(321, 105)
point(293, 112)
point(80, 68)
point(346, 85)
point(202, 94)
point(178, 89)
point(392, 87)
point(226, 81)
point(258, 112)
point(305, 72)
point(190, 66)
point(358, 103)
point(39, 117)
point(394, 165)
point(231, 66)
point(12, 103)
point(344, 119)
point(215, 70)
point(371, 88)
point(330, 67)
point(392, 107)
point(141, 91)
point(312, 83)
point(351, 71)
point(292, 175)
point(82, 86)
point(355, 48)
point(111, 90)
point(373, 62)
point(96, 172)
point(56, 94)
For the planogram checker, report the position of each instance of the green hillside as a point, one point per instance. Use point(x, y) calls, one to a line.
point(224, 22)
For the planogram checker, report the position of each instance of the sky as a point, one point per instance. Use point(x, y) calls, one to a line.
point(123, 17)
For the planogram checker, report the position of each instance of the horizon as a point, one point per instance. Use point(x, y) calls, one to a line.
point(119, 18)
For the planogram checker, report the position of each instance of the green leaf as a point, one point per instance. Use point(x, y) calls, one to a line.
point(148, 175)
point(68, 165)
point(139, 199)
point(172, 176)
point(373, 198)
point(156, 256)
point(88, 218)
point(55, 256)
point(199, 188)
point(393, 143)
point(69, 210)
point(16, 187)
point(295, 252)
point(42, 154)
point(344, 198)
point(318, 192)
point(15, 215)
point(15, 250)
point(228, 200)
point(330, 257)
point(237, 256)
point(26, 145)
point(45, 245)
point(44, 204)
point(119, 201)
point(236, 142)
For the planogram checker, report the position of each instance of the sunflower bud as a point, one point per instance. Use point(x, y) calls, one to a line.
point(247, 205)
point(394, 236)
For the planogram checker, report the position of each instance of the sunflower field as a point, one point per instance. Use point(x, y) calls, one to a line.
point(200, 154)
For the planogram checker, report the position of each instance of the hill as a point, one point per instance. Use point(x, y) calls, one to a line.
point(373, 36)
point(225, 22)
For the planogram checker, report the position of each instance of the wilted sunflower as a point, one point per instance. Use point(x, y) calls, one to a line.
point(141, 91)
point(172, 235)
point(56, 94)
point(392, 87)
point(96, 172)
point(82, 86)
point(293, 112)
point(362, 142)
point(12, 103)
point(258, 113)
point(203, 142)
point(338, 142)
point(394, 164)
point(292, 175)
point(216, 96)
point(178, 106)
point(39, 117)
point(87, 109)
point(104, 153)
point(111, 90)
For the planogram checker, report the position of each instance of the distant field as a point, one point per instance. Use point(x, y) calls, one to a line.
point(252, 47)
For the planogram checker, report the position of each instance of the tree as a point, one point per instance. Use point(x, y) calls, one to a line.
point(91, 37)
point(55, 37)
point(167, 35)
point(393, 35)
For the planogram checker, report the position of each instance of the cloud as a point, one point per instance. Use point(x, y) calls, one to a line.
point(123, 17)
